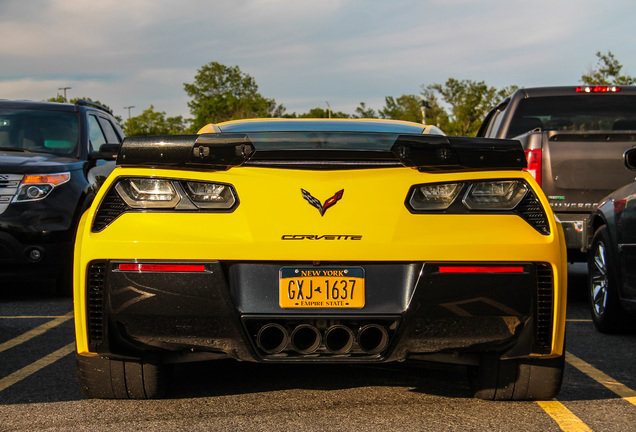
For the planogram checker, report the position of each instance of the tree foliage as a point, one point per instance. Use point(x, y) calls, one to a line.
point(362, 111)
point(221, 93)
point(607, 72)
point(151, 122)
point(468, 101)
point(406, 107)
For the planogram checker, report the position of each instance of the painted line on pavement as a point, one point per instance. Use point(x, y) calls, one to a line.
point(610, 383)
point(26, 371)
point(566, 420)
point(35, 332)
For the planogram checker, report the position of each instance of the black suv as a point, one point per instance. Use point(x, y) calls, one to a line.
point(53, 158)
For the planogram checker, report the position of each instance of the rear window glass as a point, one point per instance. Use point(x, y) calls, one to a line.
point(40, 131)
point(574, 113)
point(322, 140)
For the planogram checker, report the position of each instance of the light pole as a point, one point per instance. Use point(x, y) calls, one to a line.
point(329, 107)
point(129, 108)
point(64, 89)
point(423, 108)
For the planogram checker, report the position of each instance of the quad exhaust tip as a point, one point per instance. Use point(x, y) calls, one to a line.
point(339, 339)
point(373, 338)
point(272, 338)
point(306, 339)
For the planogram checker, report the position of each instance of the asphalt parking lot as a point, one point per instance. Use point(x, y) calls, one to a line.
point(38, 389)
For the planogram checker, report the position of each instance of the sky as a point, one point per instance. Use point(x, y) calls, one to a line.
point(301, 53)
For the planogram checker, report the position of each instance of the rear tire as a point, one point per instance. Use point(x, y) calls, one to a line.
point(104, 378)
point(527, 379)
point(607, 313)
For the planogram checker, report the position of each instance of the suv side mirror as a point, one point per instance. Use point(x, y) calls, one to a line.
point(630, 158)
point(106, 151)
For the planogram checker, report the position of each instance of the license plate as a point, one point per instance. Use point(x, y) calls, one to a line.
point(321, 287)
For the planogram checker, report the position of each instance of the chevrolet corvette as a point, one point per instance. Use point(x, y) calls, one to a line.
point(320, 241)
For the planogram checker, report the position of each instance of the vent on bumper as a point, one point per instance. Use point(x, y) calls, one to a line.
point(95, 287)
point(111, 207)
point(531, 211)
point(544, 310)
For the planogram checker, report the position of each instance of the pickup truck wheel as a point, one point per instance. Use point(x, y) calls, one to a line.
point(527, 379)
point(607, 313)
point(104, 378)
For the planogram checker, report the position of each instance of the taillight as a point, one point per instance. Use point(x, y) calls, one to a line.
point(481, 269)
point(598, 89)
point(619, 206)
point(168, 268)
point(533, 157)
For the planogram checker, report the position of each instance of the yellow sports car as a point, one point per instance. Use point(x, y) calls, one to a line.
point(320, 241)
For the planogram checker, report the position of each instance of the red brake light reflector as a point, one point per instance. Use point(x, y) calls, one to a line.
point(598, 89)
point(533, 157)
point(481, 269)
point(162, 267)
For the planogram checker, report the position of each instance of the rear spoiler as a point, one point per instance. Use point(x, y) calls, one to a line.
point(222, 151)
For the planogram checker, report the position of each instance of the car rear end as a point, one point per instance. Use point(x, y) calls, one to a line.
point(359, 244)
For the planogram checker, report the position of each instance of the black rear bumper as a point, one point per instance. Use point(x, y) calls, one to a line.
point(231, 310)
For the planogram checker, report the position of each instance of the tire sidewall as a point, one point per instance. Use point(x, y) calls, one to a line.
point(610, 319)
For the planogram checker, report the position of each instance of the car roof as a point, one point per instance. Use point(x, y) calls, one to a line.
point(321, 125)
point(48, 106)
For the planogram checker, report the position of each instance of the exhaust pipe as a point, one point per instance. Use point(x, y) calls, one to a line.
point(305, 339)
point(373, 338)
point(339, 339)
point(272, 338)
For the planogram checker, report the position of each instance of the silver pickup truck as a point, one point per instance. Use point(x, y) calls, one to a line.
point(574, 138)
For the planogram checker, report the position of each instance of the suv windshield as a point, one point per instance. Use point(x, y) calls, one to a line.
point(574, 113)
point(55, 132)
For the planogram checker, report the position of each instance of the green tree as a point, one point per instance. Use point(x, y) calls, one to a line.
point(468, 101)
point(362, 111)
point(607, 72)
point(59, 99)
point(406, 107)
point(222, 93)
point(151, 122)
point(320, 113)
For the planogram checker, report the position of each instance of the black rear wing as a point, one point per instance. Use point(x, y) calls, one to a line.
point(222, 151)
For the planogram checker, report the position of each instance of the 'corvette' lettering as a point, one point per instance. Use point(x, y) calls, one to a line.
point(321, 237)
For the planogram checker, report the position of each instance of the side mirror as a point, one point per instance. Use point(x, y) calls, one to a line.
point(630, 158)
point(106, 151)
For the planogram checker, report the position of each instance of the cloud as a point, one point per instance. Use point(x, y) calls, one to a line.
point(301, 53)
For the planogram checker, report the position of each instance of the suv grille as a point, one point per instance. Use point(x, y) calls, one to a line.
point(9, 184)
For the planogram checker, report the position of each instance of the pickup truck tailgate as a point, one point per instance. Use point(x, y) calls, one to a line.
point(579, 169)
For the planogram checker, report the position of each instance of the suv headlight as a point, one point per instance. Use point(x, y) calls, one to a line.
point(38, 186)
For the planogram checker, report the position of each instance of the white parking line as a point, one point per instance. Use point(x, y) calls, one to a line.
point(26, 371)
point(56, 321)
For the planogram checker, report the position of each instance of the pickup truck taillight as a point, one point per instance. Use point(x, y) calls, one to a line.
point(533, 157)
